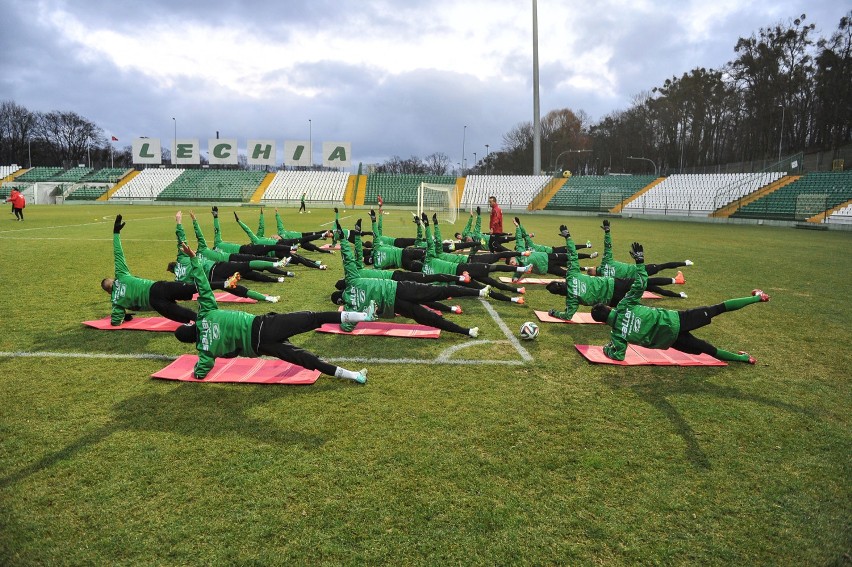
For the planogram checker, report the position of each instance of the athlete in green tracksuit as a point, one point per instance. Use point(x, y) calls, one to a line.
point(615, 269)
point(653, 327)
point(479, 272)
point(129, 292)
point(273, 246)
point(542, 263)
point(230, 333)
point(265, 263)
point(392, 297)
point(582, 289)
point(221, 274)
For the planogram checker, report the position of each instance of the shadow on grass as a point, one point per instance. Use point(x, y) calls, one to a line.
point(195, 410)
point(656, 393)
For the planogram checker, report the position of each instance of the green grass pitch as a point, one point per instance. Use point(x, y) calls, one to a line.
point(437, 460)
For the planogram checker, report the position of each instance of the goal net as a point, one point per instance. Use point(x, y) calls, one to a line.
point(439, 199)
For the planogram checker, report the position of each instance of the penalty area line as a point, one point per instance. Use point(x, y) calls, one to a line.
point(146, 356)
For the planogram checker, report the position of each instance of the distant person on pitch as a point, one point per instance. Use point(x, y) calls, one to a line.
point(302, 208)
point(496, 222)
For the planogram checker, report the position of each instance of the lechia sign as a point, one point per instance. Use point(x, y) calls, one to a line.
point(258, 152)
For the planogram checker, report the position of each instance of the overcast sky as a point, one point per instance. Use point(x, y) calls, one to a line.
point(393, 77)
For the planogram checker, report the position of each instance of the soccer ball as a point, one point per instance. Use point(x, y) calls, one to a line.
point(566, 174)
point(529, 331)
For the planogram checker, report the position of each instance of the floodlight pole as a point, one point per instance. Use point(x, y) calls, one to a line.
point(464, 137)
point(556, 163)
point(781, 137)
point(648, 160)
point(174, 148)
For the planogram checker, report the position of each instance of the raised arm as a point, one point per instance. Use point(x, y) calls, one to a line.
point(252, 236)
point(121, 268)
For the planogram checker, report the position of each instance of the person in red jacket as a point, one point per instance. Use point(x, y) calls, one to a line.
point(18, 203)
point(496, 222)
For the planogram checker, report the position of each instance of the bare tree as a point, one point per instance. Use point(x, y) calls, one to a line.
point(17, 128)
point(69, 136)
point(437, 163)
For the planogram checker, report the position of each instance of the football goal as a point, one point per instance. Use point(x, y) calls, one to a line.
point(442, 200)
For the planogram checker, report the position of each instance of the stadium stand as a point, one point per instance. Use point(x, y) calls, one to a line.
point(400, 189)
point(699, 194)
point(147, 185)
point(320, 186)
point(810, 195)
point(86, 193)
point(7, 170)
point(597, 192)
point(106, 175)
point(216, 185)
point(841, 216)
point(39, 174)
point(72, 175)
point(511, 191)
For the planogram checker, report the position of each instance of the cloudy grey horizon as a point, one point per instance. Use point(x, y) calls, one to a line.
point(393, 78)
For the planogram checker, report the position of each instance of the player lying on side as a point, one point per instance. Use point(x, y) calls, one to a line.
point(391, 297)
point(229, 333)
point(130, 292)
point(657, 328)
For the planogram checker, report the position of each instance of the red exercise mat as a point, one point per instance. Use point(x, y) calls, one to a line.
point(578, 318)
point(225, 297)
point(385, 329)
point(158, 324)
point(638, 356)
point(330, 247)
point(531, 281)
point(240, 370)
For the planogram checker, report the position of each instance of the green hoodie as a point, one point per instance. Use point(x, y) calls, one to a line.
point(128, 291)
point(221, 333)
point(636, 324)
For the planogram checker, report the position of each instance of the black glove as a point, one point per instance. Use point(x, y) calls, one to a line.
point(236, 217)
point(372, 215)
point(116, 228)
point(424, 219)
point(357, 229)
point(605, 225)
point(435, 218)
point(637, 252)
point(215, 212)
point(416, 218)
point(563, 231)
point(128, 317)
point(478, 210)
point(518, 221)
point(335, 210)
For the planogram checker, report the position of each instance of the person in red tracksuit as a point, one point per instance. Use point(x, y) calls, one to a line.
point(18, 203)
point(496, 221)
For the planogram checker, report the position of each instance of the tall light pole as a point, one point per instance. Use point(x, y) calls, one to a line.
point(474, 159)
point(648, 160)
point(781, 137)
point(174, 148)
point(486, 159)
point(311, 141)
point(464, 136)
point(30, 151)
point(536, 110)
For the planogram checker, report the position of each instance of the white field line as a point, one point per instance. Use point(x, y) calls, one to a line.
point(143, 356)
point(508, 332)
point(106, 220)
point(108, 355)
